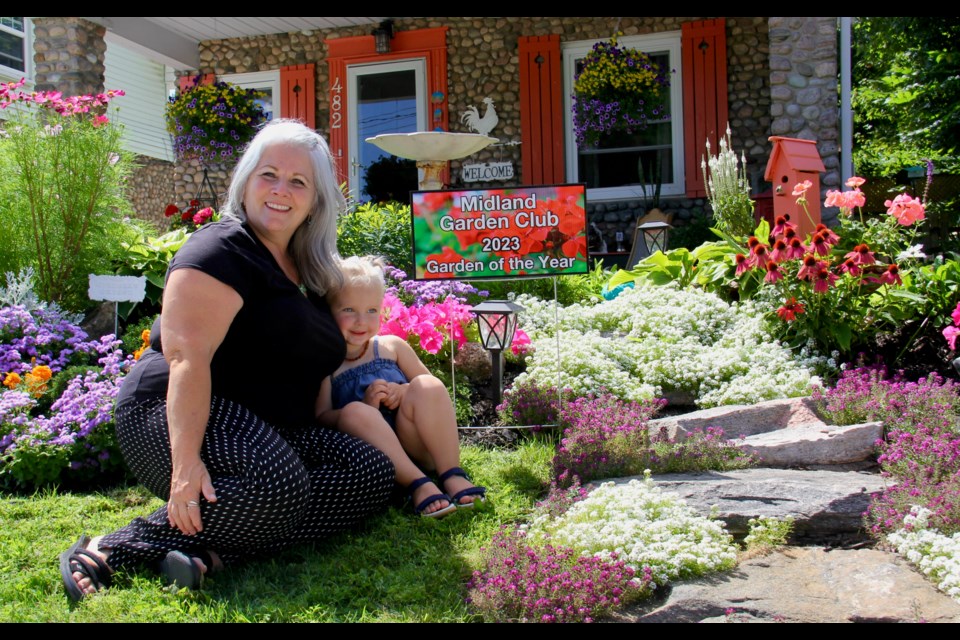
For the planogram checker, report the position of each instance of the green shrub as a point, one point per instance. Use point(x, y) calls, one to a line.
point(378, 229)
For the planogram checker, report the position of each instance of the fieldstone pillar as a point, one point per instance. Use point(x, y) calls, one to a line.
point(68, 55)
point(803, 90)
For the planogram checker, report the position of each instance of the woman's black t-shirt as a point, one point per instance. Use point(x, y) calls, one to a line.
point(278, 349)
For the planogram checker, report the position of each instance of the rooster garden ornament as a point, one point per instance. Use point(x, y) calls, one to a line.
point(483, 125)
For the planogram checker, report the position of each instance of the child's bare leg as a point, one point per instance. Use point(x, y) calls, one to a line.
point(427, 429)
point(363, 421)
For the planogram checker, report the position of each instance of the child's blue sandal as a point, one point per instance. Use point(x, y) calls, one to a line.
point(457, 498)
point(426, 502)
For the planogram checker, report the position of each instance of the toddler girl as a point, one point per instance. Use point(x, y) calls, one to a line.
point(385, 396)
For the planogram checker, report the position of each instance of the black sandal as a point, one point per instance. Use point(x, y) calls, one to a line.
point(426, 502)
point(75, 560)
point(457, 498)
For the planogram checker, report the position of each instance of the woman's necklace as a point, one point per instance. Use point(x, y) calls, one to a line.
point(359, 355)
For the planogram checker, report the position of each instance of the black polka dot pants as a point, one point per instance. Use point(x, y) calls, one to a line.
point(274, 487)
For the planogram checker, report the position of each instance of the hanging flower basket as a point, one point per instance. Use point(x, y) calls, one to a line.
point(213, 122)
point(618, 90)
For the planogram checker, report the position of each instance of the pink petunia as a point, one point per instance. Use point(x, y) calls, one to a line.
point(905, 209)
point(951, 334)
point(521, 342)
point(956, 315)
point(855, 182)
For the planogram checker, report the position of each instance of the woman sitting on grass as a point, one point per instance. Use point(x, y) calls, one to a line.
point(383, 394)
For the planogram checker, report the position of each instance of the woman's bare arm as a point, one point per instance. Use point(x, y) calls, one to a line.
point(197, 312)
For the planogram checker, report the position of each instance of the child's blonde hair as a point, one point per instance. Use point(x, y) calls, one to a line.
point(363, 271)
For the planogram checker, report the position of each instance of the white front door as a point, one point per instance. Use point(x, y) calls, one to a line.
point(389, 97)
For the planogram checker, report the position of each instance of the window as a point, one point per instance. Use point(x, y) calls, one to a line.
point(14, 45)
point(612, 171)
point(266, 81)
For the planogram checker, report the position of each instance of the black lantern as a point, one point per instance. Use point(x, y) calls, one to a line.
point(497, 321)
point(655, 236)
point(382, 36)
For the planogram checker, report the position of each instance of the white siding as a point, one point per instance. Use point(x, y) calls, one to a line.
point(141, 110)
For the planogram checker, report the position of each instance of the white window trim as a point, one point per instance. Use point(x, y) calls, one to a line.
point(258, 80)
point(668, 41)
point(9, 73)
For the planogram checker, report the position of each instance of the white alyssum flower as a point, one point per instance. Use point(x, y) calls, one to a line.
point(652, 339)
point(936, 555)
point(645, 528)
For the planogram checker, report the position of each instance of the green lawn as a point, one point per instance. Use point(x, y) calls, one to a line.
point(397, 568)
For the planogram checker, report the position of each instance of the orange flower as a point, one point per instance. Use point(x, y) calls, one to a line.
point(12, 380)
point(42, 372)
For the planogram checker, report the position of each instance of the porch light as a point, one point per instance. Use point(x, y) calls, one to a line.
point(497, 321)
point(382, 36)
point(655, 236)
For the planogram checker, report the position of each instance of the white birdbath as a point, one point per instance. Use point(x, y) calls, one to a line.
point(432, 150)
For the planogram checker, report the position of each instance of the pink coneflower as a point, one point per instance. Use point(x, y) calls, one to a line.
point(743, 264)
point(773, 273)
point(810, 267)
point(819, 245)
point(849, 266)
point(891, 275)
point(861, 255)
point(779, 251)
point(828, 234)
point(759, 256)
point(781, 224)
point(795, 248)
point(823, 280)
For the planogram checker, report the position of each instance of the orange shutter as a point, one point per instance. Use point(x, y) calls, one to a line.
point(704, 47)
point(186, 82)
point(541, 104)
point(298, 94)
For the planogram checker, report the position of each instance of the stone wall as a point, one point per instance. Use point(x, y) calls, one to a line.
point(149, 189)
point(483, 61)
point(803, 88)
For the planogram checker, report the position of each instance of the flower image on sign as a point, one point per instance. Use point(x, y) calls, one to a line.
point(496, 233)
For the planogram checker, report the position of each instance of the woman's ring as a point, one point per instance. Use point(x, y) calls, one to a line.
point(192, 503)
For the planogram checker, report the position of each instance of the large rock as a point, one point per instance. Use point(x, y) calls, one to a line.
point(815, 444)
point(827, 506)
point(805, 584)
point(783, 433)
point(739, 420)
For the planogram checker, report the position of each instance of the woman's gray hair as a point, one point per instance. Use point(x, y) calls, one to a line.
point(313, 246)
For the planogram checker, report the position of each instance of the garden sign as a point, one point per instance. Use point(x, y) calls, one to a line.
point(497, 233)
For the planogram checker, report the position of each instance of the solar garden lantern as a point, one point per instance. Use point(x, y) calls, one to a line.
point(655, 236)
point(497, 321)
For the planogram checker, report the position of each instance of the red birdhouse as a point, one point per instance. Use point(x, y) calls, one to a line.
point(793, 161)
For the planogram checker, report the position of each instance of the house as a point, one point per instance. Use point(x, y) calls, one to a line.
point(764, 75)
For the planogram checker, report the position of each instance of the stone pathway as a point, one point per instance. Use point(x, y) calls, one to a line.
point(821, 475)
